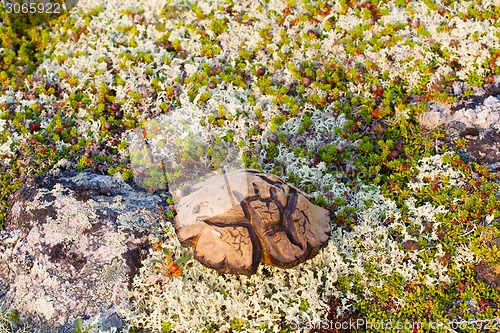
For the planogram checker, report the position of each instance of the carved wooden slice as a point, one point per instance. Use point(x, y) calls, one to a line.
point(243, 217)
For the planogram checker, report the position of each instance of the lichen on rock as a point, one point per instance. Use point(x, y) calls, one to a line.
point(73, 243)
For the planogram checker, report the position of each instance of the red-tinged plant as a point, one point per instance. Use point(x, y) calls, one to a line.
point(166, 268)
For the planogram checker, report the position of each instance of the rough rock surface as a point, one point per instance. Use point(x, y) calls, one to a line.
point(476, 119)
point(236, 220)
point(488, 273)
point(71, 246)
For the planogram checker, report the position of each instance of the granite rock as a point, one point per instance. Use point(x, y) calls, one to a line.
point(476, 118)
point(72, 244)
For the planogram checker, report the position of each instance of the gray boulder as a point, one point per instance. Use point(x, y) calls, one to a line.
point(476, 118)
point(72, 245)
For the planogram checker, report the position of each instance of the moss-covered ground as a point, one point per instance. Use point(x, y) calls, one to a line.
point(325, 94)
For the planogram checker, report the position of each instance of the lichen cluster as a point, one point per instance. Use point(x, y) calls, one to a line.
point(325, 94)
